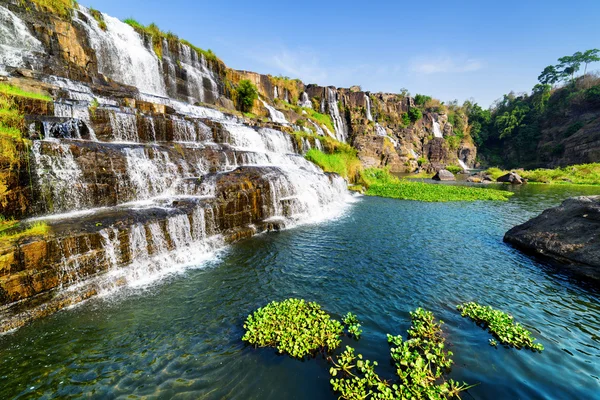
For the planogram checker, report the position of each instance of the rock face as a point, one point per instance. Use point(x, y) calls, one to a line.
point(512, 178)
point(568, 234)
point(444, 175)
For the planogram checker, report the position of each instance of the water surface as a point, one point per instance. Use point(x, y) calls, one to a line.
point(180, 338)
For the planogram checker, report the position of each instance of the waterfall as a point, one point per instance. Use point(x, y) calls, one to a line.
point(275, 92)
point(275, 115)
point(437, 132)
point(17, 45)
point(380, 130)
point(305, 101)
point(368, 103)
point(414, 154)
point(78, 112)
point(462, 164)
point(124, 127)
point(58, 175)
point(150, 171)
point(122, 55)
point(341, 131)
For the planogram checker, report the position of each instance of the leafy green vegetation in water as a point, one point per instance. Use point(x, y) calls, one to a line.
point(353, 324)
point(381, 183)
point(293, 326)
point(420, 364)
point(501, 325)
point(582, 174)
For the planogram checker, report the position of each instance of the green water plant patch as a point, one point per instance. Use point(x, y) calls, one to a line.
point(293, 326)
point(501, 325)
point(420, 363)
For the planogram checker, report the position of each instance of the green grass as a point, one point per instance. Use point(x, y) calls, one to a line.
point(381, 183)
point(582, 174)
point(158, 35)
point(321, 119)
point(346, 165)
point(64, 8)
point(11, 90)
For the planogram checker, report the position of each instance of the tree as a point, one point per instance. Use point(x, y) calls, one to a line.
point(571, 64)
point(247, 94)
point(540, 96)
point(415, 114)
point(549, 75)
point(588, 57)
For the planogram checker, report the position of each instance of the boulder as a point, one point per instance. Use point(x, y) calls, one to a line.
point(444, 175)
point(568, 234)
point(512, 178)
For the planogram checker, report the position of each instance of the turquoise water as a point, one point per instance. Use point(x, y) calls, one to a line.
point(180, 338)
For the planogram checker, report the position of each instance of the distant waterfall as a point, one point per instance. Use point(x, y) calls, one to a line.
point(341, 131)
point(122, 55)
point(437, 132)
point(17, 45)
point(305, 101)
point(462, 164)
point(368, 103)
point(276, 115)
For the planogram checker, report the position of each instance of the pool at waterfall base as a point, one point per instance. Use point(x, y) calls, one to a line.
point(180, 336)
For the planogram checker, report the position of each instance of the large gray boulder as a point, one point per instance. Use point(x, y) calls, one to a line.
point(444, 175)
point(512, 178)
point(568, 234)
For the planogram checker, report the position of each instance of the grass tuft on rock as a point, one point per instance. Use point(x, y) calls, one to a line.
point(501, 325)
point(10, 90)
point(293, 326)
point(63, 8)
point(10, 233)
point(420, 362)
point(380, 182)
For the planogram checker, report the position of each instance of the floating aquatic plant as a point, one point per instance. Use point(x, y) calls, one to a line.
point(353, 324)
point(293, 326)
point(420, 363)
point(501, 325)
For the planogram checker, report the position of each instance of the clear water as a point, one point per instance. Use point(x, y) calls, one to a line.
point(181, 337)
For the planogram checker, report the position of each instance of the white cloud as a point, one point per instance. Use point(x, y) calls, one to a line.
point(427, 65)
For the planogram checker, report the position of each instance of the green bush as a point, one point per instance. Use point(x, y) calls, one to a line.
point(415, 114)
point(247, 95)
point(421, 99)
point(455, 169)
point(501, 325)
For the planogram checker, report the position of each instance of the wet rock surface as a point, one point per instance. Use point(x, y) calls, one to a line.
point(444, 175)
point(568, 234)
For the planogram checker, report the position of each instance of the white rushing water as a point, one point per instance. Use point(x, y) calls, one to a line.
point(339, 125)
point(341, 131)
point(462, 164)
point(368, 107)
point(437, 132)
point(122, 55)
point(17, 45)
point(275, 115)
point(305, 101)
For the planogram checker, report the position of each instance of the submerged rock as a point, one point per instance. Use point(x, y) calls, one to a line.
point(512, 178)
point(444, 175)
point(568, 234)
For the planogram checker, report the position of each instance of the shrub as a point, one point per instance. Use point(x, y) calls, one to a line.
point(455, 169)
point(415, 114)
point(573, 128)
point(247, 95)
point(421, 99)
point(501, 325)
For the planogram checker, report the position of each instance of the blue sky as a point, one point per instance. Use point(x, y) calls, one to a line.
point(449, 50)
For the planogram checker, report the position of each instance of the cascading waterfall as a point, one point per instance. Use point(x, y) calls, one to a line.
point(341, 131)
point(122, 55)
point(305, 101)
point(275, 115)
point(368, 107)
point(124, 127)
point(437, 132)
point(414, 154)
point(17, 45)
point(381, 131)
point(462, 164)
